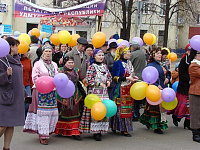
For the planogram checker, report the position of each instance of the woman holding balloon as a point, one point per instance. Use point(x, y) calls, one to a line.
point(123, 76)
point(43, 113)
point(69, 116)
point(98, 78)
point(152, 114)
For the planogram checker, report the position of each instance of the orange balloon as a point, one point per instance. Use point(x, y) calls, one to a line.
point(148, 38)
point(23, 47)
point(98, 111)
point(98, 39)
point(153, 93)
point(35, 32)
point(73, 40)
point(55, 39)
point(172, 56)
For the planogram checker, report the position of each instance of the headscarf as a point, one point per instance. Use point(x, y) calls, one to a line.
point(121, 50)
point(67, 58)
point(97, 51)
point(47, 47)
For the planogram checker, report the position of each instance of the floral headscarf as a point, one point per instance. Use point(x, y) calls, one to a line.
point(121, 50)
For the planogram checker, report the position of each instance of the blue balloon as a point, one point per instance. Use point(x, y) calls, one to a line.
point(175, 86)
point(111, 108)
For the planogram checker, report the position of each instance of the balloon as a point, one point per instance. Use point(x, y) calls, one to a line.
point(60, 80)
point(150, 74)
point(42, 34)
point(44, 84)
point(112, 40)
point(154, 103)
point(35, 32)
point(124, 42)
point(119, 40)
point(25, 37)
point(23, 47)
point(154, 39)
point(139, 40)
point(173, 56)
point(67, 91)
point(153, 93)
point(29, 32)
point(170, 105)
point(4, 48)
point(175, 86)
point(73, 40)
point(148, 38)
point(98, 111)
point(98, 39)
point(17, 33)
point(55, 39)
point(168, 94)
point(90, 100)
point(138, 90)
point(64, 36)
point(167, 50)
point(40, 38)
point(111, 108)
point(195, 42)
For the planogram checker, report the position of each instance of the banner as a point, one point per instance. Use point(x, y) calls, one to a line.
point(7, 28)
point(25, 9)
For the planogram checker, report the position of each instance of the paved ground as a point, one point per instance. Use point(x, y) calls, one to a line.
point(142, 139)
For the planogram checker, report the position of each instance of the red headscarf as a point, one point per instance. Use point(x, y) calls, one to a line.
point(186, 49)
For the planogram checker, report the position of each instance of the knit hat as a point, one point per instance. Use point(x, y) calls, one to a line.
point(97, 51)
point(121, 50)
point(47, 47)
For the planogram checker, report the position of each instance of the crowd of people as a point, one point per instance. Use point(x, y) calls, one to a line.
point(109, 72)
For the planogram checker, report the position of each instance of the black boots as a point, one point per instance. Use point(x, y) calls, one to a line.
point(196, 135)
point(187, 124)
point(158, 131)
point(97, 137)
point(175, 120)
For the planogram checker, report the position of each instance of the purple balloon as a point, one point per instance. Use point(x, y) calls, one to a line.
point(139, 40)
point(4, 47)
point(124, 42)
point(112, 40)
point(168, 94)
point(195, 42)
point(60, 80)
point(29, 32)
point(150, 74)
point(40, 38)
point(66, 91)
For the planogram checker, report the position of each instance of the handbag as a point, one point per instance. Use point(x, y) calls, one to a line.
point(81, 90)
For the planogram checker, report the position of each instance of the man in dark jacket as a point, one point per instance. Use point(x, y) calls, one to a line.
point(138, 61)
point(109, 60)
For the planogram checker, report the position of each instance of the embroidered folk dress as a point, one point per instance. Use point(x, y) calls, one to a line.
point(43, 112)
point(122, 121)
point(96, 74)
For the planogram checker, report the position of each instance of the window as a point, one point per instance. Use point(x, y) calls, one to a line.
point(30, 26)
point(82, 33)
point(163, 7)
point(198, 19)
point(161, 38)
point(142, 32)
point(146, 7)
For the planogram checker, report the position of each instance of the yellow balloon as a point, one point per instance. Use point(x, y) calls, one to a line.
point(170, 105)
point(148, 38)
point(119, 40)
point(173, 56)
point(167, 50)
point(91, 99)
point(64, 36)
point(25, 37)
point(98, 39)
point(44, 35)
point(98, 111)
point(138, 90)
point(154, 39)
point(153, 93)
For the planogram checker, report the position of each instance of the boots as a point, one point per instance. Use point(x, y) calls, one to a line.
point(6, 148)
point(196, 135)
point(187, 124)
point(175, 121)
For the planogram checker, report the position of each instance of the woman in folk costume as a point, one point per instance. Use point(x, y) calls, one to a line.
point(123, 76)
point(98, 78)
point(154, 116)
point(42, 115)
point(69, 114)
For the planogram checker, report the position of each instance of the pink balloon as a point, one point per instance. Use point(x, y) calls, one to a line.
point(154, 103)
point(45, 84)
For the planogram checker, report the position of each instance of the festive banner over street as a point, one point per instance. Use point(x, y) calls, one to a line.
point(25, 9)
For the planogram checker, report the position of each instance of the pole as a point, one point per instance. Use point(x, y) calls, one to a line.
point(99, 29)
point(13, 17)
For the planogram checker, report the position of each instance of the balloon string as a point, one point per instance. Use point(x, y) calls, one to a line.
point(4, 63)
